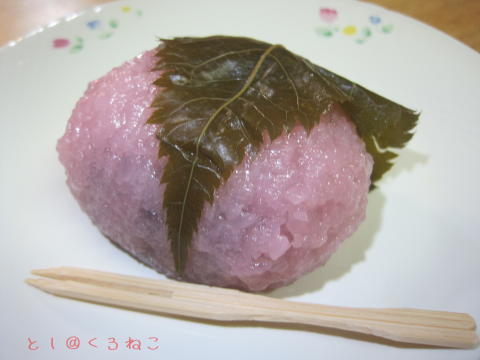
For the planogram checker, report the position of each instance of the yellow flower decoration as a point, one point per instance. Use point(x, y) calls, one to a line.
point(126, 9)
point(349, 30)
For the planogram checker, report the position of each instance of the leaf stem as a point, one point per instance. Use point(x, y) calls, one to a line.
point(247, 84)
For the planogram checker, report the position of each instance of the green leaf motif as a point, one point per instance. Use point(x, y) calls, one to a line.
point(220, 95)
point(324, 31)
point(77, 45)
point(387, 28)
point(366, 32)
point(105, 35)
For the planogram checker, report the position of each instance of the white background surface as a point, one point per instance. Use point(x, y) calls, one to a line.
point(419, 246)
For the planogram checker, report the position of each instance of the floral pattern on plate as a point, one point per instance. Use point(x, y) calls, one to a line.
point(360, 33)
point(103, 29)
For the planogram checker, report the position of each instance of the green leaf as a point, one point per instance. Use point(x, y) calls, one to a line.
point(381, 123)
point(387, 28)
point(105, 35)
point(366, 32)
point(77, 46)
point(324, 31)
point(221, 94)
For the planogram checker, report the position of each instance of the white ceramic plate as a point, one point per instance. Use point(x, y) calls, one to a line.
point(419, 246)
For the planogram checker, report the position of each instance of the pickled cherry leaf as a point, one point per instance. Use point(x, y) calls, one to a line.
point(220, 95)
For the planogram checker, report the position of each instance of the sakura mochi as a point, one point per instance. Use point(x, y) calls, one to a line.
point(249, 193)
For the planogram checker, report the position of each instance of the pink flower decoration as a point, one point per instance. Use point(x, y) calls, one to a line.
point(328, 15)
point(60, 43)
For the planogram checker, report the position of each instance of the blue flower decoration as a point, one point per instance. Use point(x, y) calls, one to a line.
point(94, 24)
point(375, 20)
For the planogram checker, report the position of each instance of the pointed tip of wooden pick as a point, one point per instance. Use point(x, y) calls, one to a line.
point(40, 272)
point(33, 282)
point(53, 272)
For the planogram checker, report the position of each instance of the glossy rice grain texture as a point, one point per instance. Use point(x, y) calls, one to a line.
point(279, 215)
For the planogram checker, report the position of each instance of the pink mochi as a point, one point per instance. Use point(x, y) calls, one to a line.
point(279, 215)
